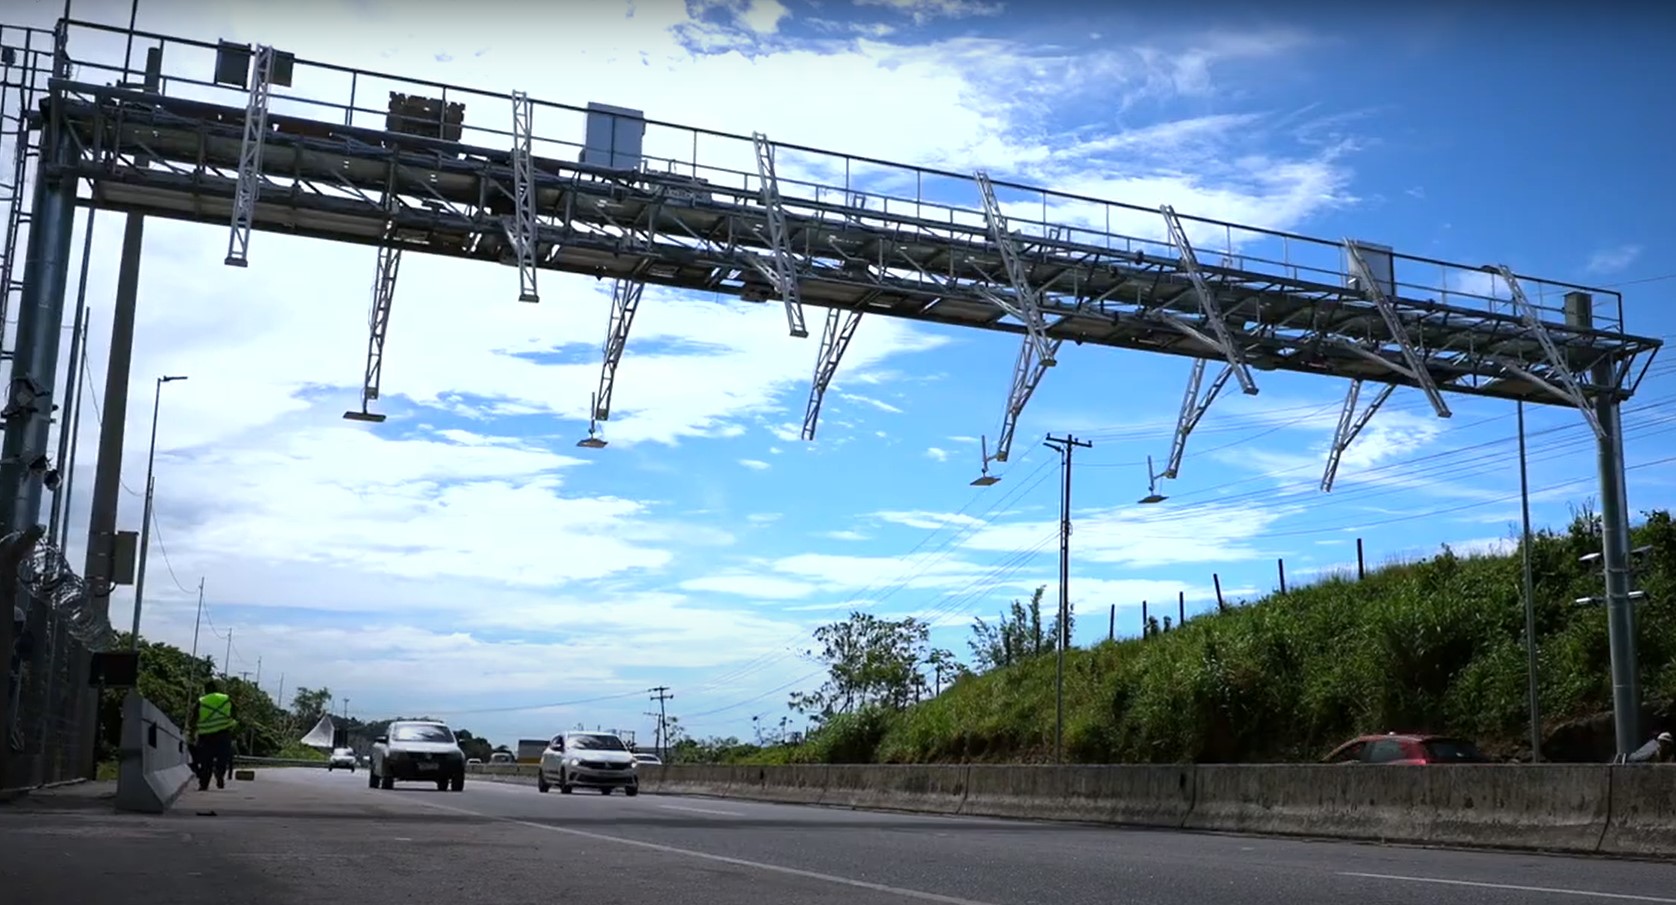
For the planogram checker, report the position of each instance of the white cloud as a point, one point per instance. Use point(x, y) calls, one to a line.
point(1613, 260)
point(467, 530)
point(937, 454)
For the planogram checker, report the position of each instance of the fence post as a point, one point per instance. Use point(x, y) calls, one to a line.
point(1280, 564)
point(1361, 562)
point(1221, 605)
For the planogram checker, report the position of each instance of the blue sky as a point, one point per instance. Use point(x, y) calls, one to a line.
point(465, 559)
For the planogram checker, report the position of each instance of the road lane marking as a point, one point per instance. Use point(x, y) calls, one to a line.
point(680, 807)
point(721, 859)
point(1618, 896)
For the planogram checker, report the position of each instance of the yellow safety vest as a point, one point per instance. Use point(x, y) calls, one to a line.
point(215, 714)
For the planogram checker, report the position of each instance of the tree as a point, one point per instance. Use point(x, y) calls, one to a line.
point(870, 661)
point(308, 705)
point(473, 746)
point(1018, 634)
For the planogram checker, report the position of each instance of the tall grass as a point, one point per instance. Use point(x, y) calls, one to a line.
point(1428, 646)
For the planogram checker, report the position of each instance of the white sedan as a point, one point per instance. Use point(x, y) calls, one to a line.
point(593, 760)
point(342, 757)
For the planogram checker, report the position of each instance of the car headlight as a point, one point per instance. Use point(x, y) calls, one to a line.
point(573, 761)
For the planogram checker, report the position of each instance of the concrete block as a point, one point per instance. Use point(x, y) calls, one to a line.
point(155, 766)
point(792, 783)
point(1643, 810)
point(1553, 807)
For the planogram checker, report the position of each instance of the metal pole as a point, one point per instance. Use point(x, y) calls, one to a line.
point(1065, 446)
point(75, 440)
point(1530, 593)
point(40, 320)
point(1614, 524)
point(72, 371)
point(227, 661)
point(145, 519)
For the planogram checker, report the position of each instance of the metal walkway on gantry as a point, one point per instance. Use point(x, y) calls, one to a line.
point(257, 140)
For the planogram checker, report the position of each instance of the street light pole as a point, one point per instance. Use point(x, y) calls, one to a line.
point(145, 524)
point(1065, 446)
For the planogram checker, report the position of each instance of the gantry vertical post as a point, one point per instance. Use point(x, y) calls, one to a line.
point(835, 340)
point(523, 229)
point(1615, 539)
point(249, 186)
point(783, 275)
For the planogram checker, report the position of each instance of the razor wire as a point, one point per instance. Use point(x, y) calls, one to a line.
point(49, 578)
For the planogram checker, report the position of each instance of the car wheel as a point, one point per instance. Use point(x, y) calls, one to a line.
point(386, 782)
point(372, 779)
point(442, 784)
point(330, 768)
point(459, 783)
point(541, 784)
point(631, 791)
point(565, 788)
point(605, 790)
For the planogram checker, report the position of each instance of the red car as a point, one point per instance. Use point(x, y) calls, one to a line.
point(1394, 748)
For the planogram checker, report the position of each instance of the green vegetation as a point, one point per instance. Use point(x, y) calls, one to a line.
point(169, 679)
point(1427, 646)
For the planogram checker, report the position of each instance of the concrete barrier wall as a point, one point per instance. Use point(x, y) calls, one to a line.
point(1629, 810)
point(155, 765)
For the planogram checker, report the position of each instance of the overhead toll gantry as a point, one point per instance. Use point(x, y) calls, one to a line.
point(258, 139)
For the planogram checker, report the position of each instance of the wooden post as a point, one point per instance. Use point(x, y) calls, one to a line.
point(1146, 621)
point(1181, 607)
point(1111, 625)
point(1281, 565)
point(1361, 562)
point(1221, 605)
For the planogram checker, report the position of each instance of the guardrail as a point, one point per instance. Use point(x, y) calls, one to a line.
point(1575, 808)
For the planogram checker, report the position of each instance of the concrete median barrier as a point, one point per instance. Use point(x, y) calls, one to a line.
point(931, 788)
point(1578, 808)
point(523, 774)
point(1643, 811)
point(155, 765)
point(1158, 796)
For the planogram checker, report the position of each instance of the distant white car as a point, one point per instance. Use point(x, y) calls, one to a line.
point(651, 759)
point(342, 757)
point(595, 760)
point(417, 751)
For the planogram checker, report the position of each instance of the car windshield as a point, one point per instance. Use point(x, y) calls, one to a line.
point(595, 742)
point(343, 752)
point(421, 732)
point(1453, 750)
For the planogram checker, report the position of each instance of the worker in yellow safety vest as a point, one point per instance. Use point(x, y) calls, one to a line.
point(214, 725)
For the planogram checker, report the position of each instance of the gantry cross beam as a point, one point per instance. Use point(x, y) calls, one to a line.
point(744, 226)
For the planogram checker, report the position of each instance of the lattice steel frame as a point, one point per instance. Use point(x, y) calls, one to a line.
point(1350, 423)
point(1208, 306)
point(783, 274)
point(625, 303)
point(1566, 388)
point(387, 269)
point(722, 233)
point(523, 229)
point(249, 187)
point(835, 340)
point(1193, 408)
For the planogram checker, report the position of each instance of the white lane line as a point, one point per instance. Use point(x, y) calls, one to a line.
point(721, 859)
point(679, 807)
point(1618, 896)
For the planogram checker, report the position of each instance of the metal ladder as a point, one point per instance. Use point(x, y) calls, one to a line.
point(20, 65)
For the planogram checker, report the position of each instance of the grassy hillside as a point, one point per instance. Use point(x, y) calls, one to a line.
point(1434, 645)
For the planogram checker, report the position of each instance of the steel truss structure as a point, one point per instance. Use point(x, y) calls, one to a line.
point(332, 171)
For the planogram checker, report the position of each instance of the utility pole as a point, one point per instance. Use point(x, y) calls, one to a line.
point(1066, 446)
point(227, 661)
point(1529, 590)
point(258, 673)
point(661, 694)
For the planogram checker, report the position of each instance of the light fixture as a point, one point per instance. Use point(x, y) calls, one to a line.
point(594, 440)
point(364, 415)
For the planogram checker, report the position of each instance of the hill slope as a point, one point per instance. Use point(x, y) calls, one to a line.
point(1436, 645)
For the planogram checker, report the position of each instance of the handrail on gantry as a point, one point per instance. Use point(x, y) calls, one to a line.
point(926, 171)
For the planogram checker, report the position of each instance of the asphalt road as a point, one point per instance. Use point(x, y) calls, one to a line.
point(305, 835)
